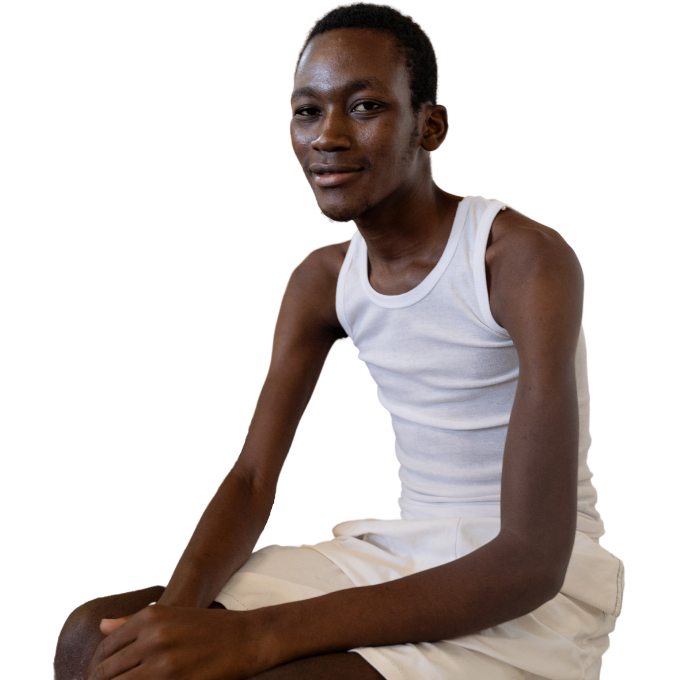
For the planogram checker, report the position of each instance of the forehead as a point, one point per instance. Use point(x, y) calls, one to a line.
point(352, 55)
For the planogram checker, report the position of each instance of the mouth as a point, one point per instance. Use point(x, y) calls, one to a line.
point(333, 179)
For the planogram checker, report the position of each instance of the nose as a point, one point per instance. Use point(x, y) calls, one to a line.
point(334, 134)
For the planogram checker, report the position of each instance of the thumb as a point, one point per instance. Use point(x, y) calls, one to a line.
point(107, 626)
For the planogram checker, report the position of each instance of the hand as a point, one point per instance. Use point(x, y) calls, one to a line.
point(176, 643)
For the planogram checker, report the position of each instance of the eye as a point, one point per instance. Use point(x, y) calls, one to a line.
point(366, 107)
point(308, 111)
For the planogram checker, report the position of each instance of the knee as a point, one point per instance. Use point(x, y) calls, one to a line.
point(77, 642)
point(73, 625)
point(81, 621)
point(80, 635)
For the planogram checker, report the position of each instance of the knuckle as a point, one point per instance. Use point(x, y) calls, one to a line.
point(148, 615)
point(163, 636)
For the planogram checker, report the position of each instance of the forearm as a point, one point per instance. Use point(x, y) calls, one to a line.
point(223, 540)
point(500, 581)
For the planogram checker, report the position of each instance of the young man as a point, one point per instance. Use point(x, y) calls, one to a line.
point(468, 315)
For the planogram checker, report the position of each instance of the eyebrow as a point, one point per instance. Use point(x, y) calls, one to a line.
point(351, 87)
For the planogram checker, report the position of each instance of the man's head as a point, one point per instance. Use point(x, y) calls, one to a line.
point(364, 111)
point(411, 40)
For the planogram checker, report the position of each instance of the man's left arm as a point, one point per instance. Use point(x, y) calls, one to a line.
point(536, 293)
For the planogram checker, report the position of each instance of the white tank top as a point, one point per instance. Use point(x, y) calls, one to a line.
point(447, 373)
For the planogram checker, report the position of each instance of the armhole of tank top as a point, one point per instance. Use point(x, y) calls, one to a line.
point(479, 266)
point(340, 287)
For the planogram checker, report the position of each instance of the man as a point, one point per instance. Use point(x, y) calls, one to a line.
point(468, 315)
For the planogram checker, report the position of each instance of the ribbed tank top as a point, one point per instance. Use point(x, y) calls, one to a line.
point(447, 373)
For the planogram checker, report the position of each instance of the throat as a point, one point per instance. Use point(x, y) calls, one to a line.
point(399, 277)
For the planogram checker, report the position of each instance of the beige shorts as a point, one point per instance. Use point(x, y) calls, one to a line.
point(563, 639)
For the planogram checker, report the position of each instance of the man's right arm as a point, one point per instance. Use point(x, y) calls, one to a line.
point(227, 532)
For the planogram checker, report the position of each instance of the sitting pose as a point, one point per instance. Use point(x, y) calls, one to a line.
point(468, 316)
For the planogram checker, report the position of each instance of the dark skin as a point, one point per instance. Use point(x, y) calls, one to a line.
point(353, 121)
point(404, 217)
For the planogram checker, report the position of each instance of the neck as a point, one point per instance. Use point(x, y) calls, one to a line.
point(409, 225)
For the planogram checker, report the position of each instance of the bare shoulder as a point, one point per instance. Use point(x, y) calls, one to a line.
point(334, 253)
point(530, 266)
point(313, 284)
point(511, 225)
point(518, 242)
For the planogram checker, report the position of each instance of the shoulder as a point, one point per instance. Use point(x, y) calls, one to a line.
point(330, 257)
point(518, 243)
point(529, 268)
point(312, 286)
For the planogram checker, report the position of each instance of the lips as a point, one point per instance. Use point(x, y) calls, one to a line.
point(330, 175)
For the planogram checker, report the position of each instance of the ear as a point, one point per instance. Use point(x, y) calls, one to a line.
point(435, 125)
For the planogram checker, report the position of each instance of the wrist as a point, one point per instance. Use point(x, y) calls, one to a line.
point(195, 585)
point(267, 625)
point(187, 592)
point(184, 601)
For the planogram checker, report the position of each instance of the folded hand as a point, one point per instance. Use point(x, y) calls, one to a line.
point(175, 643)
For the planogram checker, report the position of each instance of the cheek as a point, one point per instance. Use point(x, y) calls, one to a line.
point(299, 143)
point(296, 151)
point(389, 144)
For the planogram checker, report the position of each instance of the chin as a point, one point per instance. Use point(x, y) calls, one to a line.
point(344, 212)
point(337, 215)
point(335, 219)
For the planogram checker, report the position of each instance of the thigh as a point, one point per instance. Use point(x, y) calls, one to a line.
point(298, 564)
point(123, 604)
point(342, 666)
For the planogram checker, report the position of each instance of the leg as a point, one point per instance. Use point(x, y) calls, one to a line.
point(80, 635)
point(342, 666)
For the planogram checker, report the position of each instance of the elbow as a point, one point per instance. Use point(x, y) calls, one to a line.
point(557, 577)
point(553, 588)
point(554, 558)
point(539, 571)
point(546, 580)
point(552, 584)
point(533, 588)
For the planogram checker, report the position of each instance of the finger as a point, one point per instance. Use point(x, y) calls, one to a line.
point(117, 664)
point(107, 626)
point(114, 641)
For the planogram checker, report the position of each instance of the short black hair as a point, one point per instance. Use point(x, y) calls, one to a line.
point(411, 40)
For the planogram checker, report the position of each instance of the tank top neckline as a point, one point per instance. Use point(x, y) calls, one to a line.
point(428, 283)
